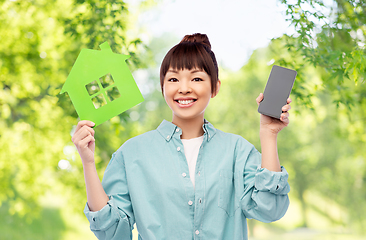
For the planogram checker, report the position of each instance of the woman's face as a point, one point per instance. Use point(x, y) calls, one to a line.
point(187, 93)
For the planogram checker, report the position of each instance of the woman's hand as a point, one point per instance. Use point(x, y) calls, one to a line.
point(84, 141)
point(274, 125)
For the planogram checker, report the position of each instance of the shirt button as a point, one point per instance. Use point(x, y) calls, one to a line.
point(167, 137)
point(190, 203)
point(197, 232)
point(178, 149)
point(199, 173)
point(177, 130)
point(200, 201)
point(184, 174)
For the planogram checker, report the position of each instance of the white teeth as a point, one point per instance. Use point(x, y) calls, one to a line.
point(184, 102)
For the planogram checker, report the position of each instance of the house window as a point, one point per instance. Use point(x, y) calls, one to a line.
point(102, 91)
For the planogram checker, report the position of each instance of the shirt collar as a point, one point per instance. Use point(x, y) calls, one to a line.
point(168, 130)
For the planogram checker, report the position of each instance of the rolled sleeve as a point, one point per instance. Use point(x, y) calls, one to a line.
point(103, 219)
point(273, 182)
point(109, 223)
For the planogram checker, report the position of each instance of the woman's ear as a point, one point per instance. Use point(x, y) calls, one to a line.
point(218, 85)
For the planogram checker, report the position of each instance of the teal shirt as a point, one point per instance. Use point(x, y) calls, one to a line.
point(148, 183)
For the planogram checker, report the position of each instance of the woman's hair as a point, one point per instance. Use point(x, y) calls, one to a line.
point(194, 51)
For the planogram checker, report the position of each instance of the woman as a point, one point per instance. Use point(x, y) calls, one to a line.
point(186, 179)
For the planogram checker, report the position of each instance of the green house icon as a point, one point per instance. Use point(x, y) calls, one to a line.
point(100, 85)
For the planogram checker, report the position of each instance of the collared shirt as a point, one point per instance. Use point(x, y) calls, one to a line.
point(148, 183)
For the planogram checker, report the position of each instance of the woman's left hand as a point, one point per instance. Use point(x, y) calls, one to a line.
point(274, 125)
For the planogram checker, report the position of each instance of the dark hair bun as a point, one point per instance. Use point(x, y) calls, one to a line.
point(198, 38)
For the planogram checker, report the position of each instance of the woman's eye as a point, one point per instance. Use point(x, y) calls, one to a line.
point(197, 79)
point(172, 80)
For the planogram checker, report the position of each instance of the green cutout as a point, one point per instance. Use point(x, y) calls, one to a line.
point(100, 85)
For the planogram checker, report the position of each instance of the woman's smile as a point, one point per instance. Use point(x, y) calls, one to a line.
point(184, 103)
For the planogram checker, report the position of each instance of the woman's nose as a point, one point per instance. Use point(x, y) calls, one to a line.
point(184, 87)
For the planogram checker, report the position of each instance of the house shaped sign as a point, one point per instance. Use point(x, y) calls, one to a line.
point(100, 85)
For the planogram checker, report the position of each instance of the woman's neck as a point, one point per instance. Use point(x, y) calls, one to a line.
point(190, 128)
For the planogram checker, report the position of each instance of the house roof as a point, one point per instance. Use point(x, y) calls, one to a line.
point(93, 64)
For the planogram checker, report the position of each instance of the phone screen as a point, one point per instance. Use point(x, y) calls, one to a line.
point(278, 89)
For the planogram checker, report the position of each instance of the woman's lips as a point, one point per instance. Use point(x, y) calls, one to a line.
point(185, 103)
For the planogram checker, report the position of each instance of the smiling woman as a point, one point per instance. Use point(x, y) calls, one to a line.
point(210, 180)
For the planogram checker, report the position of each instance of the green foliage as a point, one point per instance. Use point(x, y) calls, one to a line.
point(38, 229)
point(331, 38)
point(40, 42)
point(92, 22)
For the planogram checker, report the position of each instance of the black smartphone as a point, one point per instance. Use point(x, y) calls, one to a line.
point(278, 89)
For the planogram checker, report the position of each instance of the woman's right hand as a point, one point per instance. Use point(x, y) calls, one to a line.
point(84, 141)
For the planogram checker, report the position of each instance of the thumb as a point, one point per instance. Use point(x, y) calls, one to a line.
point(259, 98)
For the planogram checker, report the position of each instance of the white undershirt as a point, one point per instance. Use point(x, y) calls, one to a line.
point(191, 149)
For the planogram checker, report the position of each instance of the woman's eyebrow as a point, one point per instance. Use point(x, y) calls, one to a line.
point(196, 70)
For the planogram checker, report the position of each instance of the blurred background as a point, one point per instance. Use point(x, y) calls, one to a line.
point(42, 192)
